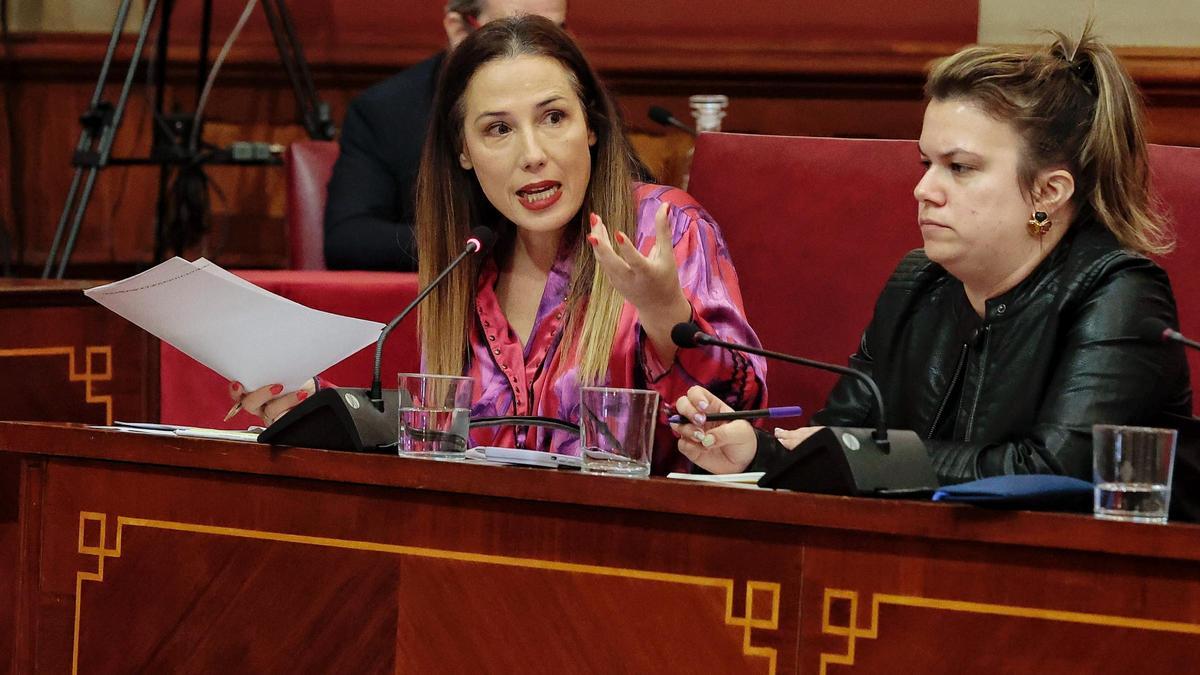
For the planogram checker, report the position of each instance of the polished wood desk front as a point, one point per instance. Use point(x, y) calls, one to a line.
point(64, 358)
point(125, 553)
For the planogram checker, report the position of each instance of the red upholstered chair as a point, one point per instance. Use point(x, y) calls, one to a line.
point(816, 225)
point(194, 395)
point(309, 164)
point(1175, 175)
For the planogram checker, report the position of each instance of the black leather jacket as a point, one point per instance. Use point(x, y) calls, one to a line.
point(1018, 390)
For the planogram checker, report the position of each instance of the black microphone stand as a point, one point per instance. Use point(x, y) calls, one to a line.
point(171, 145)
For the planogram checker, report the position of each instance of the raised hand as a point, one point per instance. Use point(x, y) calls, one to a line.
point(649, 282)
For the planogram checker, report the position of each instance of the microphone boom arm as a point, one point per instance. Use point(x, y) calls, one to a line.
point(880, 435)
point(375, 395)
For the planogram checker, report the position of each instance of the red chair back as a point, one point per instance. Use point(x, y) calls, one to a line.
point(309, 165)
point(816, 225)
point(1175, 176)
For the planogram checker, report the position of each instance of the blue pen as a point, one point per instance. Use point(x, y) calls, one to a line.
point(781, 411)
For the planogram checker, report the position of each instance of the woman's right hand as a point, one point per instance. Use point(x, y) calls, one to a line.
point(718, 447)
point(268, 403)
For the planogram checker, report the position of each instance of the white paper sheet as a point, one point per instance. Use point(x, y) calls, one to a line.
point(241, 331)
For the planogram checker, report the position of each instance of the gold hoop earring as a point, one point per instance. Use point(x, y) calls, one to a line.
point(1039, 224)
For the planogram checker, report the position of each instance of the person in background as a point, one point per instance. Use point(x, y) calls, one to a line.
point(592, 268)
point(1018, 325)
point(369, 211)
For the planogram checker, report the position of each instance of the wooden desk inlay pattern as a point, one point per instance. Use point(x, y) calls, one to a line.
point(89, 375)
point(767, 592)
point(128, 553)
point(74, 360)
point(872, 630)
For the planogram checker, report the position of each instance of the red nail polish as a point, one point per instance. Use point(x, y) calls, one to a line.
point(594, 219)
point(620, 238)
point(276, 389)
point(236, 387)
point(593, 240)
point(301, 395)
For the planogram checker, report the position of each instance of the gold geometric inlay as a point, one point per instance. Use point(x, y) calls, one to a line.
point(748, 622)
point(88, 375)
point(871, 632)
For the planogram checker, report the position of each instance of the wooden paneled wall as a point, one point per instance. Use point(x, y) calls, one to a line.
point(821, 68)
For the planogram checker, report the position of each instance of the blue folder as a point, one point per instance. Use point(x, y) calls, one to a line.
point(1025, 491)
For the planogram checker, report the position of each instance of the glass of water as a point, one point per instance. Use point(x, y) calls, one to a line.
point(617, 430)
point(435, 415)
point(1132, 469)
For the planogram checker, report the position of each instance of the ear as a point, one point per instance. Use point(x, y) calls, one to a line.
point(457, 28)
point(1053, 190)
point(464, 159)
point(591, 137)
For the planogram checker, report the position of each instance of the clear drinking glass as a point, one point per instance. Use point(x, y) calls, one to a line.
point(617, 430)
point(435, 416)
point(1132, 469)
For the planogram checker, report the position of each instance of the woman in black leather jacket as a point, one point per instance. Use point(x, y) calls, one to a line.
point(1020, 324)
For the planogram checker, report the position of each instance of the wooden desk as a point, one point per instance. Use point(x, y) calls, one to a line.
point(65, 358)
point(130, 553)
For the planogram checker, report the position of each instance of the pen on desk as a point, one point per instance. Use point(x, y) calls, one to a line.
point(781, 411)
point(237, 408)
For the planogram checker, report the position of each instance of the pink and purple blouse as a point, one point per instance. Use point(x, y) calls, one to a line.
point(542, 376)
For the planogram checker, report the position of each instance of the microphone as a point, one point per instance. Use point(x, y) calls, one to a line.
point(664, 117)
point(838, 460)
point(345, 418)
point(1156, 330)
point(481, 239)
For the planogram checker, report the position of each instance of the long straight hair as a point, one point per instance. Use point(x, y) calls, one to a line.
point(1073, 105)
point(450, 201)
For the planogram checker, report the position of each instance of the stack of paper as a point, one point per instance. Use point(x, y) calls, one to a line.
point(239, 330)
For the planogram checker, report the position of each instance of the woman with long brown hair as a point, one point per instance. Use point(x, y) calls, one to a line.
point(592, 267)
point(1021, 323)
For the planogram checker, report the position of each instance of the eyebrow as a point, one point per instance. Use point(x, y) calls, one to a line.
point(951, 152)
point(501, 113)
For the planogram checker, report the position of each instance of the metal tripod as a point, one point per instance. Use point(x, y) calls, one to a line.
point(102, 119)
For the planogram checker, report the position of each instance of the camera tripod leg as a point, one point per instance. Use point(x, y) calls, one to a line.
point(105, 126)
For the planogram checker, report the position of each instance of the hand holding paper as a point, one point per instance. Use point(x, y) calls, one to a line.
point(241, 331)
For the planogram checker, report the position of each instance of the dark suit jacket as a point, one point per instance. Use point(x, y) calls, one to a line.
point(369, 213)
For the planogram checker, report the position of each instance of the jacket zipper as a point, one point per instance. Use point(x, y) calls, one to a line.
point(962, 357)
point(946, 399)
point(983, 353)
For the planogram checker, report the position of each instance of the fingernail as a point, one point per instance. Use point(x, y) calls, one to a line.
point(698, 436)
point(236, 386)
point(593, 240)
point(703, 405)
point(708, 440)
point(620, 238)
point(594, 219)
point(276, 389)
point(699, 418)
point(301, 395)
point(778, 431)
